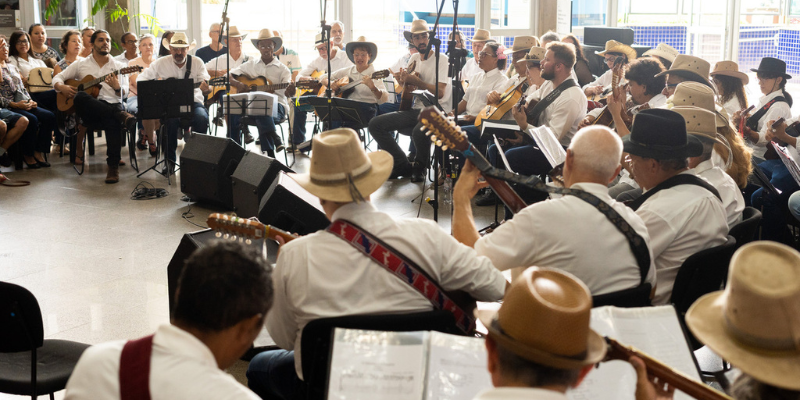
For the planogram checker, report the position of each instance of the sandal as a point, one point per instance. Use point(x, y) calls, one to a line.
point(153, 149)
point(142, 143)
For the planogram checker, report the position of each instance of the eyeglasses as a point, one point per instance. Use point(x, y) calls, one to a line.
point(486, 54)
point(22, 42)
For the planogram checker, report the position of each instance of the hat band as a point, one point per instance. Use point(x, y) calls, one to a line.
point(657, 146)
point(341, 177)
point(577, 357)
point(788, 344)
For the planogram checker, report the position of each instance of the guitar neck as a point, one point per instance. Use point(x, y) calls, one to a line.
point(272, 88)
point(503, 190)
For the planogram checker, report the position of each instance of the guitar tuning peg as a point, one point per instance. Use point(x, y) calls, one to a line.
point(218, 234)
point(226, 236)
point(445, 147)
point(433, 139)
point(438, 143)
point(241, 239)
point(248, 241)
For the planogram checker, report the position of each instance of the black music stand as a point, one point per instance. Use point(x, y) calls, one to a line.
point(258, 104)
point(341, 110)
point(162, 100)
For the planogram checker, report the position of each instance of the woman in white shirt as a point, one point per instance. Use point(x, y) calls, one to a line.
point(22, 57)
point(730, 84)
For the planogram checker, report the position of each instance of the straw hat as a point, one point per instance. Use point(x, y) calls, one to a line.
point(545, 319)
point(535, 55)
point(178, 41)
point(664, 51)
point(699, 122)
point(234, 33)
point(522, 43)
point(613, 46)
point(362, 41)
point(418, 26)
point(730, 68)
point(660, 134)
point(266, 34)
point(690, 66)
point(481, 35)
point(755, 322)
point(695, 94)
point(341, 170)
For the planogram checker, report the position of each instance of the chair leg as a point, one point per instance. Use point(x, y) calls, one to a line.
point(90, 139)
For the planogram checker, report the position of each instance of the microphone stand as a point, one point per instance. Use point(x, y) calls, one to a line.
point(326, 34)
point(456, 58)
point(225, 25)
point(434, 42)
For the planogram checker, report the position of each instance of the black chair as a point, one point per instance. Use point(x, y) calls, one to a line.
point(628, 298)
point(702, 273)
point(745, 231)
point(317, 336)
point(30, 365)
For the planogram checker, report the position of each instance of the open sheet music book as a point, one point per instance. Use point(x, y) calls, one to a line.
point(788, 161)
point(547, 142)
point(653, 330)
point(420, 365)
point(252, 104)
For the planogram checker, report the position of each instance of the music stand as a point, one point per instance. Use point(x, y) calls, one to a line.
point(250, 104)
point(341, 110)
point(162, 100)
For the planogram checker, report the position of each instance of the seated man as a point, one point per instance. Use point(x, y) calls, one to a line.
point(324, 275)
point(210, 329)
point(383, 126)
point(107, 109)
point(531, 360)
point(682, 219)
point(218, 66)
point(269, 67)
point(553, 233)
point(181, 66)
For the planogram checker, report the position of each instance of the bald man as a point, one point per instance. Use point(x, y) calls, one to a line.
point(213, 50)
point(554, 233)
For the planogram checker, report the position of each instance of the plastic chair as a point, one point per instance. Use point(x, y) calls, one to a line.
point(317, 336)
point(628, 298)
point(745, 231)
point(30, 365)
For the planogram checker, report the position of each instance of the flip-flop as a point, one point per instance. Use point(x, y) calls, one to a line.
point(5, 181)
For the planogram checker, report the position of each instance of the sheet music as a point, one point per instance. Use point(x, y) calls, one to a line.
point(788, 161)
point(653, 330)
point(547, 142)
point(502, 154)
point(456, 367)
point(367, 365)
point(252, 104)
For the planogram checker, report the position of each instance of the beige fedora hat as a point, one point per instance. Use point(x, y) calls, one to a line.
point(361, 41)
point(418, 26)
point(341, 170)
point(755, 322)
point(179, 40)
point(522, 43)
point(613, 46)
point(699, 122)
point(481, 35)
point(689, 66)
point(664, 51)
point(266, 34)
point(535, 54)
point(234, 33)
point(545, 319)
point(695, 94)
point(730, 68)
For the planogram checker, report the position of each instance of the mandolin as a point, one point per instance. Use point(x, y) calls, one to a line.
point(446, 134)
point(231, 226)
point(349, 87)
point(676, 379)
point(89, 84)
point(511, 97)
point(262, 84)
point(406, 98)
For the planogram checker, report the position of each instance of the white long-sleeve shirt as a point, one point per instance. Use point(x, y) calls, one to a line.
point(362, 92)
point(732, 199)
point(565, 113)
point(165, 68)
point(276, 72)
point(339, 60)
point(88, 66)
point(776, 111)
point(482, 83)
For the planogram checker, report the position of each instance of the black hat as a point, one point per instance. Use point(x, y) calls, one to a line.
point(661, 134)
point(772, 67)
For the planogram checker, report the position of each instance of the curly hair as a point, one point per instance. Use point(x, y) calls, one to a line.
point(728, 87)
point(643, 71)
point(740, 167)
point(65, 40)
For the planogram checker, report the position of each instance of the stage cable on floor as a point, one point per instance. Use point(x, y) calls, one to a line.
point(146, 191)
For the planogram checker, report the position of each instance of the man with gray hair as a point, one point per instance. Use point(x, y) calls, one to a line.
point(582, 230)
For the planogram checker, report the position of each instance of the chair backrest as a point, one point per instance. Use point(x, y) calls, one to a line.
point(318, 334)
point(635, 297)
point(702, 273)
point(20, 318)
point(745, 231)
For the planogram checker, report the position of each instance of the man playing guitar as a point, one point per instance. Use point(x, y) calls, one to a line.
point(219, 66)
point(107, 109)
point(181, 66)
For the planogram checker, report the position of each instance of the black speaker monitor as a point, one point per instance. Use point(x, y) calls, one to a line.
point(207, 163)
point(288, 206)
point(251, 180)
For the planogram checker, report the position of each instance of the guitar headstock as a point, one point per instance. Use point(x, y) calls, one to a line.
point(311, 84)
point(131, 70)
point(233, 227)
point(443, 132)
point(218, 81)
point(382, 74)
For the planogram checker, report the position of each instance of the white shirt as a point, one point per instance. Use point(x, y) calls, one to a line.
point(124, 60)
point(25, 66)
point(320, 276)
point(401, 62)
point(732, 105)
point(682, 221)
point(775, 112)
point(657, 101)
point(427, 72)
point(220, 63)
point(471, 68)
point(482, 83)
point(88, 66)
point(164, 68)
point(732, 199)
point(362, 92)
point(565, 113)
point(602, 80)
point(568, 233)
point(519, 393)
point(181, 367)
point(339, 60)
point(276, 72)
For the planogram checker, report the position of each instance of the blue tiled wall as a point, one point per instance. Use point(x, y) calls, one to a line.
point(674, 36)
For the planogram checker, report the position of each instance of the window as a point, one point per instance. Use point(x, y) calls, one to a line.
point(589, 12)
point(171, 15)
point(511, 14)
point(66, 14)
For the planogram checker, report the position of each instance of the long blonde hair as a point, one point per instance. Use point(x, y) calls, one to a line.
point(740, 166)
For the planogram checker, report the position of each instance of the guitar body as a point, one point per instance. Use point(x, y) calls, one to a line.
point(604, 119)
point(67, 105)
point(507, 102)
point(406, 98)
point(253, 83)
point(314, 75)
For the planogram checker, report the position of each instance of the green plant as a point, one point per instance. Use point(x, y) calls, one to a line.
point(116, 13)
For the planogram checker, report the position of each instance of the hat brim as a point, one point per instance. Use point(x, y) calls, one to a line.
point(631, 53)
point(382, 163)
point(785, 75)
point(706, 320)
point(735, 74)
point(512, 51)
point(348, 48)
point(596, 346)
point(686, 74)
point(278, 42)
point(235, 36)
point(692, 148)
point(408, 34)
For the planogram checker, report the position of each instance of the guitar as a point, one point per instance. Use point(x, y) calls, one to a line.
point(511, 97)
point(40, 80)
point(89, 84)
point(605, 118)
point(447, 134)
point(314, 76)
point(348, 89)
point(406, 98)
point(231, 226)
point(602, 98)
point(262, 84)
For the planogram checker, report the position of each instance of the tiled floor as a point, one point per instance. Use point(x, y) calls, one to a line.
point(97, 260)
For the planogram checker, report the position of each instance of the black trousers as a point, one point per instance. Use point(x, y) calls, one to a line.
point(109, 117)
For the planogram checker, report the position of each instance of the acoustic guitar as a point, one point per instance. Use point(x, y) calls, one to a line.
point(90, 85)
point(233, 227)
point(40, 80)
point(406, 98)
point(350, 87)
point(314, 76)
point(507, 102)
point(262, 84)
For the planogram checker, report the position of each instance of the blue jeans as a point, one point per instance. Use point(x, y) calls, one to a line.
point(266, 130)
point(271, 375)
point(773, 221)
point(199, 123)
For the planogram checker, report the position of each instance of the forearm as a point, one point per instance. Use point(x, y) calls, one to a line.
point(463, 225)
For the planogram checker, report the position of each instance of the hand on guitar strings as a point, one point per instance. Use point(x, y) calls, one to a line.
point(649, 387)
point(468, 182)
point(367, 80)
point(493, 98)
point(520, 116)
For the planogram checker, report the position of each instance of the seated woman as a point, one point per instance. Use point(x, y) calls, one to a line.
point(491, 62)
point(612, 51)
point(39, 47)
point(14, 97)
point(730, 84)
point(12, 126)
point(23, 58)
point(71, 45)
point(147, 46)
point(581, 67)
